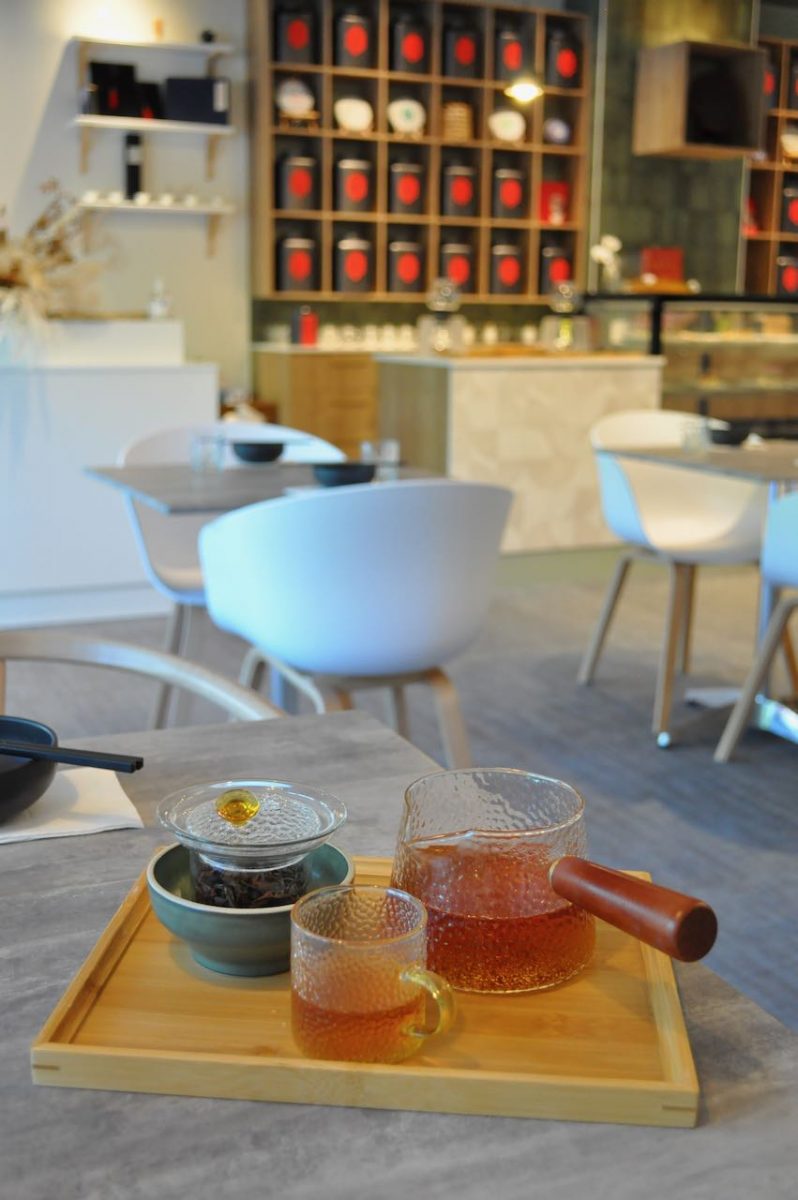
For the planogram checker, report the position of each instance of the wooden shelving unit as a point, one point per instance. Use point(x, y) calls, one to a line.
point(768, 179)
point(538, 160)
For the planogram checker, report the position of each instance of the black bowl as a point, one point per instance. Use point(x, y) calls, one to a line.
point(335, 474)
point(23, 780)
point(735, 435)
point(258, 452)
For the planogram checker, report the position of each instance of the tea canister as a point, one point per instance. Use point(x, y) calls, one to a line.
point(461, 53)
point(409, 45)
point(770, 80)
point(563, 59)
point(506, 269)
point(294, 36)
point(297, 265)
point(787, 275)
point(406, 192)
point(353, 187)
point(353, 264)
point(297, 177)
point(459, 197)
point(405, 267)
point(512, 54)
point(508, 192)
point(555, 267)
point(457, 264)
point(789, 209)
point(353, 40)
point(792, 99)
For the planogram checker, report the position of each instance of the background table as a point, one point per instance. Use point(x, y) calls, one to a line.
point(57, 897)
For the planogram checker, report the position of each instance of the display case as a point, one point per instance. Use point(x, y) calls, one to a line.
point(732, 357)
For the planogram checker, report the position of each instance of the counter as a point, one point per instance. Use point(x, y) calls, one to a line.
point(522, 421)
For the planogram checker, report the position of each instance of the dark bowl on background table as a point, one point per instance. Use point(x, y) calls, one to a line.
point(338, 474)
point(258, 452)
point(735, 435)
point(23, 780)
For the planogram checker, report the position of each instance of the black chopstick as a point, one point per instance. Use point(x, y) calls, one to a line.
point(77, 758)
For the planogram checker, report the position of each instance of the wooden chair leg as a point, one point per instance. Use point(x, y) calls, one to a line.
point(450, 719)
point(687, 625)
point(172, 644)
point(590, 660)
point(679, 589)
point(396, 702)
point(735, 726)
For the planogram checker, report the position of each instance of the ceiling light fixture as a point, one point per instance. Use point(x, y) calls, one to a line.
point(523, 90)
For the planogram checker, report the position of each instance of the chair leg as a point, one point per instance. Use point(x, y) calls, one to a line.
point(252, 668)
point(397, 711)
point(738, 720)
point(687, 625)
point(190, 648)
point(679, 590)
point(450, 719)
point(788, 649)
point(590, 660)
point(172, 644)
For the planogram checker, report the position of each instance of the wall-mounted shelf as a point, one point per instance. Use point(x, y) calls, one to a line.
point(204, 49)
point(212, 213)
point(324, 222)
point(91, 123)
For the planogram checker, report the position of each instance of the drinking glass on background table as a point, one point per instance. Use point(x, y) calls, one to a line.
point(207, 452)
point(359, 986)
point(385, 454)
point(476, 846)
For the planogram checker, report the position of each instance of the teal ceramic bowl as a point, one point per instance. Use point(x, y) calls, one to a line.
point(235, 941)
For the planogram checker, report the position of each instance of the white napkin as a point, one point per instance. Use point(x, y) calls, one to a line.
point(79, 800)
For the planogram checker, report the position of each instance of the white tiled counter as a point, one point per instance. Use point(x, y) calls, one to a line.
point(522, 422)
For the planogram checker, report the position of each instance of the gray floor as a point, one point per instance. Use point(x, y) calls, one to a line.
point(726, 833)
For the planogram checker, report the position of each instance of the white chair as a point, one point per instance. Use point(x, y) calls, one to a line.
point(680, 517)
point(167, 544)
point(779, 569)
point(360, 586)
point(43, 646)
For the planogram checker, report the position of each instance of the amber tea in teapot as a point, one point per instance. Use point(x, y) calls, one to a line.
point(476, 846)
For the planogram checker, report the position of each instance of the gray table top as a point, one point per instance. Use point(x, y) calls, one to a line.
point(178, 488)
point(770, 462)
point(59, 894)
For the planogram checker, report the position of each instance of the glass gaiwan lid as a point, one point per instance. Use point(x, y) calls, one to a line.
point(260, 822)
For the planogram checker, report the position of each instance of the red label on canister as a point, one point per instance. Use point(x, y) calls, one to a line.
point(356, 186)
point(509, 271)
point(462, 191)
point(413, 47)
point(559, 270)
point(792, 212)
point(297, 35)
point(408, 268)
point(300, 265)
point(408, 189)
point(512, 56)
point(510, 193)
point(458, 269)
point(356, 41)
point(300, 182)
point(465, 50)
point(567, 63)
point(356, 264)
point(789, 279)
point(770, 82)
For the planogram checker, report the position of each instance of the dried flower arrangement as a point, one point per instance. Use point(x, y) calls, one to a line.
point(44, 273)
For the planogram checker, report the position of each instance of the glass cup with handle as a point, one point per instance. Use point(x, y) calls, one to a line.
point(360, 990)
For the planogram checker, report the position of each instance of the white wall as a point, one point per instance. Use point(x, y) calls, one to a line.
point(38, 99)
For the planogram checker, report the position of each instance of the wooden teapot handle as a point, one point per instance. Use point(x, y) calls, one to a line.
point(681, 926)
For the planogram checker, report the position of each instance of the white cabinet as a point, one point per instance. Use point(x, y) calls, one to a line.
point(68, 548)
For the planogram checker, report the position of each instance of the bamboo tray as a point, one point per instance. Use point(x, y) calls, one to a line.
point(142, 1016)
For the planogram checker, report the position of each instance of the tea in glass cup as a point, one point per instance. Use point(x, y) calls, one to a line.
point(359, 987)
point(476, 846)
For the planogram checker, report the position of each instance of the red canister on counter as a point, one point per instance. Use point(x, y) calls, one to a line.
point(406, 190)
point(555, 267)
point(512, 54)
point(461, 53)
point(405, 267)
point(506, 269)
point(457, 264)
point(508, 192)
point(296, 182)
point(563, 59)
point(353, 188)
point(297, 265)
point(459, 197)
point(409, 45)
point(294, 37)
point(353, 40)
point(353, 265)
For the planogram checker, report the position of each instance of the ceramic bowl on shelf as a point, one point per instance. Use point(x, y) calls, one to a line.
point(234, 941)
point(353, 114)
point(556, 131)
point(294, 98)
point(407, 115)
point(23, 780)
point(507, 125)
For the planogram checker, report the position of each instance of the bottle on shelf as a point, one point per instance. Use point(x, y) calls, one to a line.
point(132, 165)
point(159, 305)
